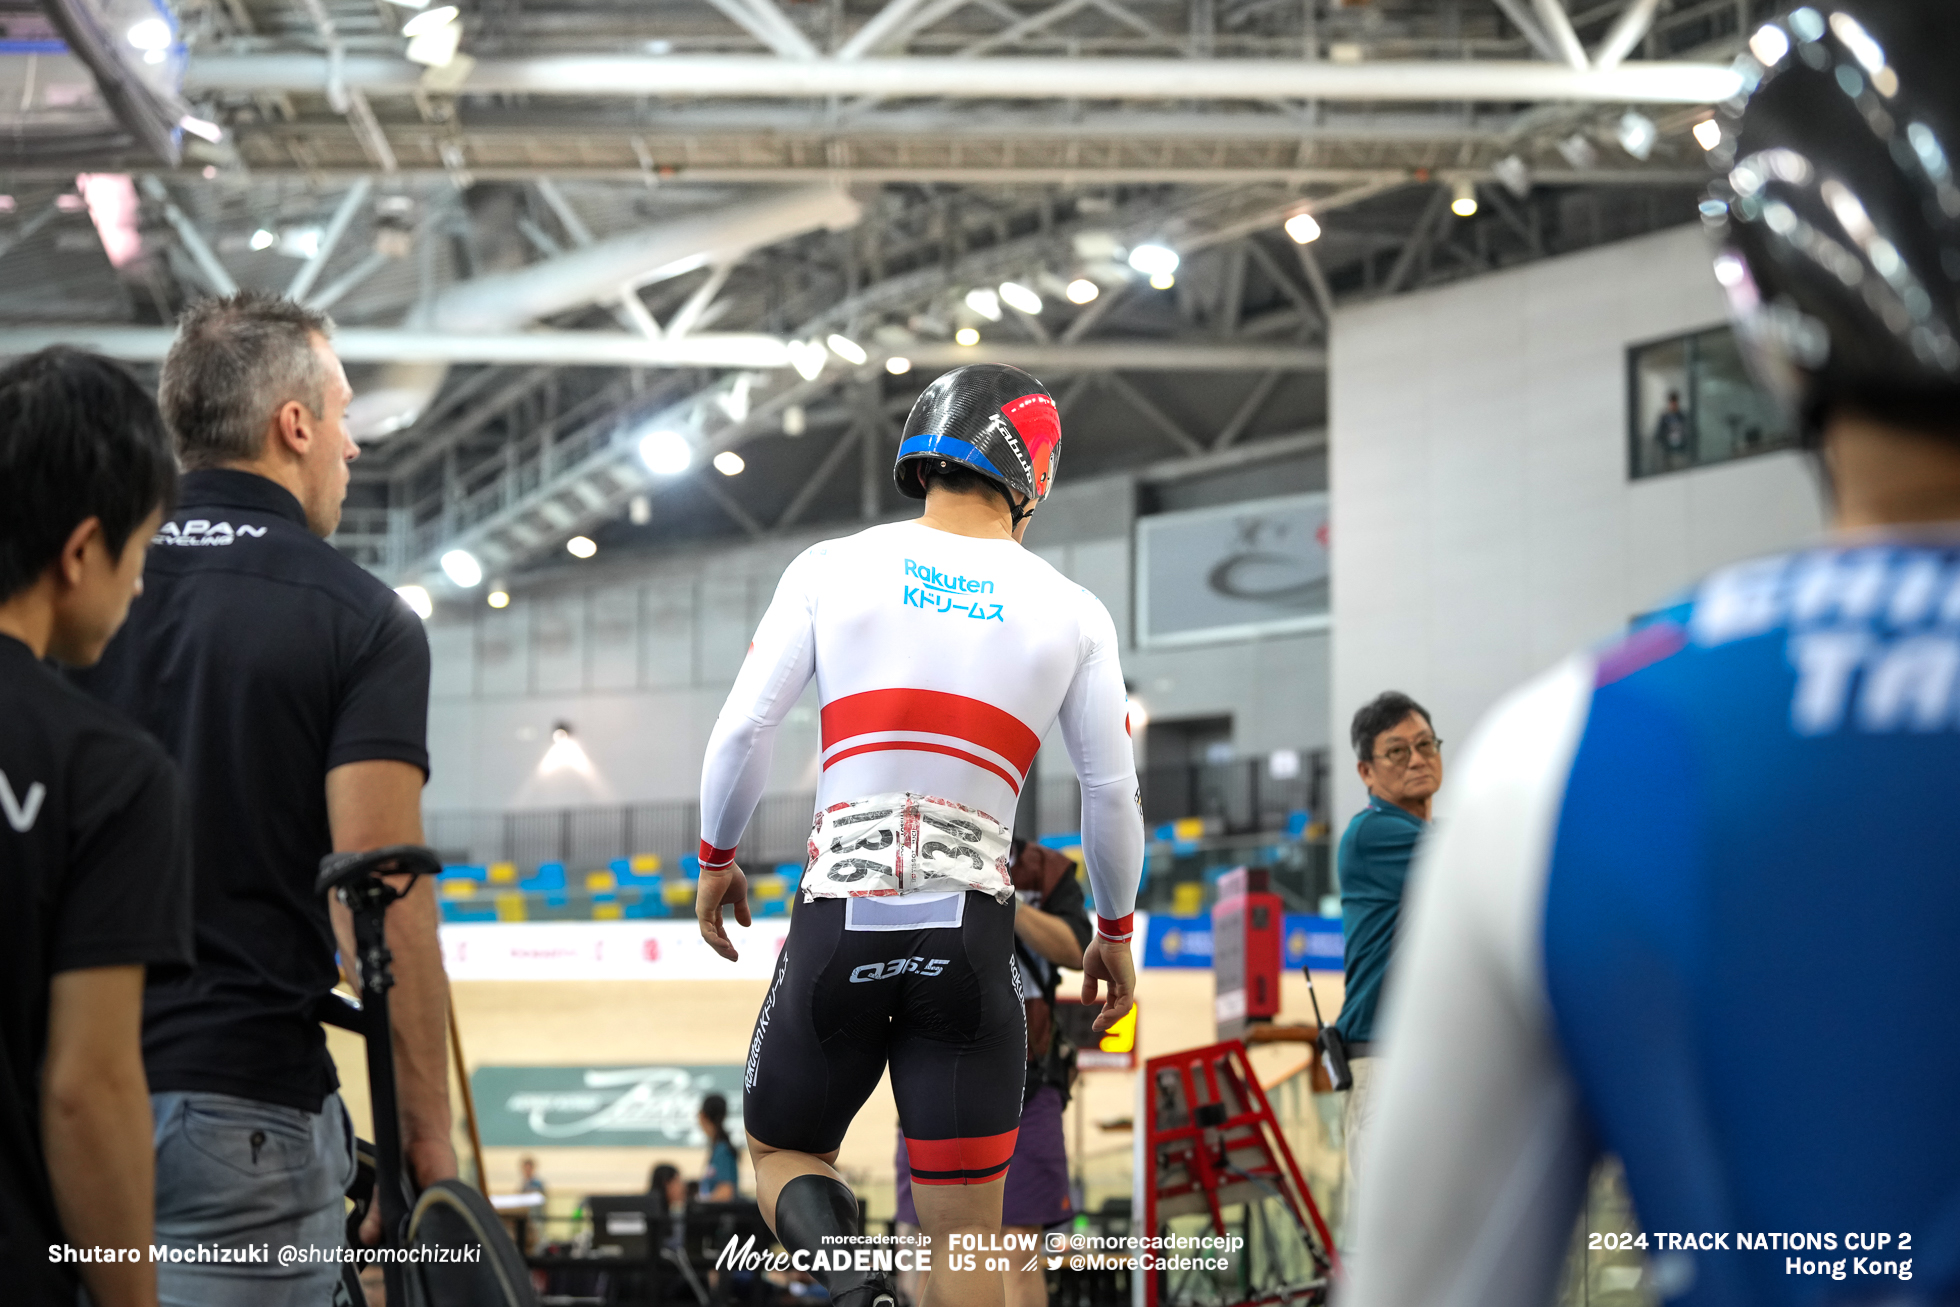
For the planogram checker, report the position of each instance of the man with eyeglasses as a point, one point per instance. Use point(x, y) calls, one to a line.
point(1401, 763)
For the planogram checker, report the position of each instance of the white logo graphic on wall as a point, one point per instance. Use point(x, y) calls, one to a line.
point(21, 812)
point(198, 531)
point(657, 1100)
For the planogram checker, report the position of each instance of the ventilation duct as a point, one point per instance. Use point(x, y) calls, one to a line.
point(507, 301)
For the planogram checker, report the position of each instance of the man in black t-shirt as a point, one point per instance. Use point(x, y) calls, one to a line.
point(94, 884)
point(292, 688)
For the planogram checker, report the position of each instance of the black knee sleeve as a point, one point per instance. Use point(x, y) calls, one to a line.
point(816, 1213)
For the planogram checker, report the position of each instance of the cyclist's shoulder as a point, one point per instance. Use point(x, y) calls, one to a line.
point(1880, 584)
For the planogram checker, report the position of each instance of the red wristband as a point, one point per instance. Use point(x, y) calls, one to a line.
point(714, 859)
point(1118, 930)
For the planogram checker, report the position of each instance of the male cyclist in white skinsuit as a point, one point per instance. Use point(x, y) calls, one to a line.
point(943, 652)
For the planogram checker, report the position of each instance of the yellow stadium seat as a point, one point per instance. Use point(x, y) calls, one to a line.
point(1189, 828)
point(769, 887)
point(503, 873)
point(510, 907)
point(458, 888)
point(1188, 899)
point(608, 911)
point(600, 882)
point(644, 864)
point(677, 893)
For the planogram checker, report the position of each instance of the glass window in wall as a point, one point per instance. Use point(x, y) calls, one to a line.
point(1692, 403)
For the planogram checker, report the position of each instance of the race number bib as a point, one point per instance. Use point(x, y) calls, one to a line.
point(906, 844)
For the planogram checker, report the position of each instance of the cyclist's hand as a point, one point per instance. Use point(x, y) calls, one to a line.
point(719, 887)
point(1108, 960)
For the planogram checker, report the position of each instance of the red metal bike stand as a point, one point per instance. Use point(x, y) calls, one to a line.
point(1209, 1141)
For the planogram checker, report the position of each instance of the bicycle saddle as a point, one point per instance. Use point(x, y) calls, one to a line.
point(340, 869)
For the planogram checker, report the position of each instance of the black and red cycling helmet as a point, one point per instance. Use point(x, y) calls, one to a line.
point(1839, 214)
point(992, 418)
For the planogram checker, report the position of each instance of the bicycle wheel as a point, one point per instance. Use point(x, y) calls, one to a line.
point(482, 1267)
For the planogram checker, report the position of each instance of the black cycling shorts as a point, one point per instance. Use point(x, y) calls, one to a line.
point(930, 987)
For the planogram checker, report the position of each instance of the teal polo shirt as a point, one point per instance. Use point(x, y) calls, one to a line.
point(1374, 868)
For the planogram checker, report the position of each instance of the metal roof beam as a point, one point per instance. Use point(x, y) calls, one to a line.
point(710, 350)
point(586, 76)
point(214, 272)
point(407, 345)
point(1557, 24)
point(309, 271)
point(1635, 21)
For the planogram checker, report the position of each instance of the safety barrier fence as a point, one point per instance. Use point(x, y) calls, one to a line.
point(1186, 803)
point(582, 863)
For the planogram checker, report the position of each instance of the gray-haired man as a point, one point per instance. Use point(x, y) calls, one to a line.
point(292, 689)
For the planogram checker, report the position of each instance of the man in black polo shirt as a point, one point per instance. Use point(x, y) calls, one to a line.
point(292, 688)
point(94, 884)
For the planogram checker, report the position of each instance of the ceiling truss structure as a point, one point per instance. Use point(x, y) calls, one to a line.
point(983, 141)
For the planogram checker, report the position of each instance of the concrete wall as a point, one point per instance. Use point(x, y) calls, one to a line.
point(638, 653)
point(1484, 524)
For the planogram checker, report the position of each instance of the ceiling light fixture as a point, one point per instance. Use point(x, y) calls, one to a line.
point(201, 127)
point(262, 239)
point(150, 34)
point(1515, 174)
point(1162, 281)
point(639, 510)
point(735, 401)
point(898, 365)
point(795, 421)
point(666, 453)
point(436, 49)
point(847, 349)
point(429, 20)
point(1769, 45)
point(1303, 228)
point(1708, 133)
point(729, 463)
point(807, 357)
point(984, 302)
point(966, 336)
point(1578, 152)
point(1464, 199)
point(1154, 261)
point(1017, 296)
point(498, 598)
point(460, 566)
point(1082, 291)
point(581, 547)
point(417, 600)
point(1637, 134)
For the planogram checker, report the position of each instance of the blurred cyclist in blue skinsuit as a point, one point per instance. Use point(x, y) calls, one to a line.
point(1695, 899)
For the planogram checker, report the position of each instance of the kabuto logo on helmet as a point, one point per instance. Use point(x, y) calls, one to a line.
point(1039, 425)
point(992, 418)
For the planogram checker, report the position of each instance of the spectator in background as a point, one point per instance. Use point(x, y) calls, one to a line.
point(1671, 433)
point(94, 868)
point(531, 1221)
point(718, 1181)
point(667, 1184)
point(1401, 763)
point(666, 1181)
